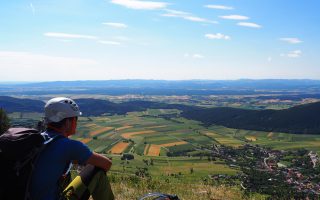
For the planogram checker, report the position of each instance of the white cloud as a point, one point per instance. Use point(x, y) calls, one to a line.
point(220, 7)
point(235, 17)
point(194, 56)
point(33, 9)
point(109, 42)
point(293, 54)
point(197, 56)
point(115, 25)
point(195, 19)
point(186, 16)
point(291, 40)
point(70, 36)
point(140, 5)
point(177, 12)
point(217, 36)
point(269, 59)
point(249, 24)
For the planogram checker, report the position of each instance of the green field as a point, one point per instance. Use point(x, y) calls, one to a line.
point(146, 128)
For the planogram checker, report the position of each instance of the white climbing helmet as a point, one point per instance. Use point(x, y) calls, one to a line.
point(60, 108)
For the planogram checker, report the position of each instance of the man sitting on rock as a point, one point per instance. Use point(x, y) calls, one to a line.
point(61, 116)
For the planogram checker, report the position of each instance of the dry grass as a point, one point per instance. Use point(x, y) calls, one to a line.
point(251, 138)
point(119, 147)
point(173, 144)
point(225, 140)
point(86, 140)
point(101, 130)
point(270, 135)
point(146, 149)
point(161, 126)
point(89, 125)
point(154, 150)
point(126, 190)
point(123, 128)
point(132, 134)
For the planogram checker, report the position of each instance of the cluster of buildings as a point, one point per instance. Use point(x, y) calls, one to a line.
point(297, 171)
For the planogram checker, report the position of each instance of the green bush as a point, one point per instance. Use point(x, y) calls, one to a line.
point(4, 121)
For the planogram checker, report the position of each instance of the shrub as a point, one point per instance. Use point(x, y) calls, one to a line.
point(4, 121)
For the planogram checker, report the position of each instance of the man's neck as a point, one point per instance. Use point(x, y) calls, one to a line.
point(60, 132)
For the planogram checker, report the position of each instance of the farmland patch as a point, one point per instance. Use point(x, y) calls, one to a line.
point(146, 148)
point(86, 140)
point(101, 130)
point(154, 150)
point(123, 128)
point(119, 147)
point(173, 144)
point(132, 134)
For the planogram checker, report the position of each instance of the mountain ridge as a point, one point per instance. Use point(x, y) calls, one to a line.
point(300, 119)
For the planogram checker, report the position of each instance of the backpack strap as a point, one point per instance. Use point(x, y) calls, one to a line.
point(47, 140)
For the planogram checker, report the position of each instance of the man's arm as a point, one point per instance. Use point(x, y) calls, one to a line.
point(100, 161)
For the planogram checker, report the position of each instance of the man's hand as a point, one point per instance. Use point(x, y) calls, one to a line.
point(100, 161)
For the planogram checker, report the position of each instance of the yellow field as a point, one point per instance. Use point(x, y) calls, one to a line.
point(251, 138)
point(123, 127)
point(119, 148)
point(270, 135)
point(173, 144)
point(225, 140)
point(101, 130)
point(212, 134)
point(154, 150)
point(162, 126)
point(86, 140)
point(146, 149)
point(229, 142)
point(103, 119)
point(131, 134)
point(89, 125)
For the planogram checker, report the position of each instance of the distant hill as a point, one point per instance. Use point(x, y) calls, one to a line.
point(300, 119)
point(165, 87)
point(21, 105)
point(183, 84)
point(98, 107)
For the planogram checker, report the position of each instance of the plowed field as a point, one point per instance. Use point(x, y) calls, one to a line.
point(101, 130)
point(173, 144)
point(123, 127)
point(132, 134)
point(154, 150)
point(86, 140)
point(119, 148)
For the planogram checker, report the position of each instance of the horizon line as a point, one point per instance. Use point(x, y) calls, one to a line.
point(169, 80)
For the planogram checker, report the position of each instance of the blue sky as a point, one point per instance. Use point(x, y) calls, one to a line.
point(44, 40)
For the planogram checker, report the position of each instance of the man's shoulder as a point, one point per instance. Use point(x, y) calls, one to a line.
point(68, 144)
point(75, 144)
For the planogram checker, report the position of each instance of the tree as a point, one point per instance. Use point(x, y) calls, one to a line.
point(4, 121)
